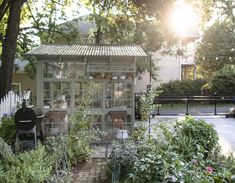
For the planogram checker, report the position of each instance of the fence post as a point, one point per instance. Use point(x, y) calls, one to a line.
point(149, 88)
point(158, 110)
point(215, 104)
point(187, 105)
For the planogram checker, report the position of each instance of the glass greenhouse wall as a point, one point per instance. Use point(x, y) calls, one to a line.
point(63, 71)
point(63, 86)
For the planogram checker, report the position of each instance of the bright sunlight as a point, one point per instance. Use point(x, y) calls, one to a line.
point(182, 18)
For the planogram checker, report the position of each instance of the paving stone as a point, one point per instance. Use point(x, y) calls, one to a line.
point(94, 171)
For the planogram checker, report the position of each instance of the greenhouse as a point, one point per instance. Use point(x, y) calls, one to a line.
point(63, 71)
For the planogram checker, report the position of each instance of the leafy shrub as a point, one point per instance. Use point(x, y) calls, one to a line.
point(146, 103)
point(57, 149)
point(202, 134)
point(178, 88)
point(34, 166)
point(176, 152)
point(80, 134)
point(8, 130)
point(122, 161)
point(149, 168)
point(223, 81)
point(206, 89)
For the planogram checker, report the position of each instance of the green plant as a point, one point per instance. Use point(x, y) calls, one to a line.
point(202, 133)
point(45, 163)
point(179, 151)
point(8, 130)
point(149, 168)
point(34, 166)
point(122, 160)
point(223, 82)
point(147, 103)
point(80, 134)
point(57, 146)
point(6, 154)
point(206, 89)
point(178, 88)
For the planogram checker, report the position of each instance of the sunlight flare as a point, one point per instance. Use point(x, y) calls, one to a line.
point(182, 18)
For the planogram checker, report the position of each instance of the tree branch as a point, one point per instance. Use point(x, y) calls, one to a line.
point(4, 7)
point(44, 29)
point(1, 38)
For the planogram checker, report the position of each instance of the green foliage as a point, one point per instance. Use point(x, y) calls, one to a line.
point(179, 88)
point(216, 49)
point(206, 89)
point(8, 130)
point(183, 151)
point(149, 168)
point(78, 143)
point(34, 166)
point(122, 160)
point(57, 146)
point(6, 154)
point(146, 103)
point(223, 82)
point(80, 134)
point(199, 133)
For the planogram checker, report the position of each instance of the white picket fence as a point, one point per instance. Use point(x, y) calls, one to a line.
point(10, 103)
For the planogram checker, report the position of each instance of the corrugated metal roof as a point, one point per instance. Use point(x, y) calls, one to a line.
point(87, 50)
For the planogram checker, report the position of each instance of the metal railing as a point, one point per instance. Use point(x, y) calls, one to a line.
point(189, 105)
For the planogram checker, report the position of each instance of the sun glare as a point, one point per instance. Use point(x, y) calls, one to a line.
point(182, 18)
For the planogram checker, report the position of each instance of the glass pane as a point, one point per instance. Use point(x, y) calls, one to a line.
point(109, 95)
point(65, 86)
point(57, 95)
point(97, 95)
point(48, 70)
point(127, 103)
point(65, 95)
point(46, 94)
point(77, 103)
point(46, 86)
point(97, 103)
point(56, 86)
point(77, 86)
point(65, 104)
point(76, 70)
point(47, 104)
point(129, 87)
point(118, 86)
point(109, 86)
point(109, 103)
point(119, 103)
point(118, 94)
point(96, 119)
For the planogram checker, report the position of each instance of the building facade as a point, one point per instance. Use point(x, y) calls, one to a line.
point(173, 67)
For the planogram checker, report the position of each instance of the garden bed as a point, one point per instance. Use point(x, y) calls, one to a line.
point(181, 151)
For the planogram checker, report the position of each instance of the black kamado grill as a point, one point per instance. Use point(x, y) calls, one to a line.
point(28, 124)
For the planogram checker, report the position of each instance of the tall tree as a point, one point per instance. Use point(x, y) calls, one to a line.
point(9, 44)
point(217, 46)
point(18, 39)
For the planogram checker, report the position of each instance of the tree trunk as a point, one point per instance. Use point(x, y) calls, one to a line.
point(98, 36)
point(9, 46)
